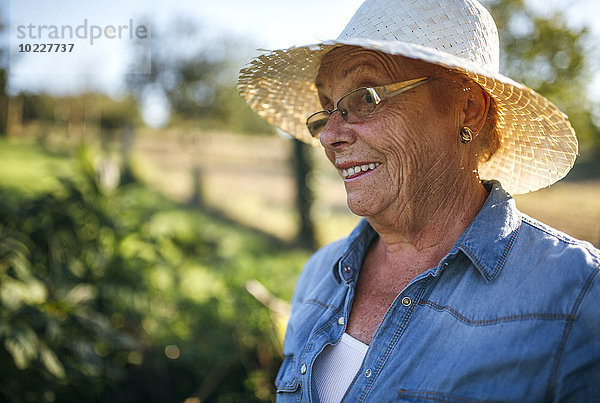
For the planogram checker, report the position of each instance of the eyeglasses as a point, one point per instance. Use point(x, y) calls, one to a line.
point(360, 103)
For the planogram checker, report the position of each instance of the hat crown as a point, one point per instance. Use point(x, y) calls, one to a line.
point(462, 28)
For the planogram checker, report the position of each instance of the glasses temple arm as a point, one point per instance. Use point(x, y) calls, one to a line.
point(391, 90)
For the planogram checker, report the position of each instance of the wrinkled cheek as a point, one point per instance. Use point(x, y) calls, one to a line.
point(405, 152)
point(330, 155)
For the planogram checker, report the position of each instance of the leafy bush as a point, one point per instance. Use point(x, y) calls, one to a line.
point(122, 296)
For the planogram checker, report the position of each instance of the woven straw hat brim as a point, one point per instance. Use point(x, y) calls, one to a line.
point(538, 144)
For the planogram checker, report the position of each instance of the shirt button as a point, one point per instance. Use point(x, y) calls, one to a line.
point(303, 369)
point(368, 373)
point(347, 269)
point(406, 301)
point(341, 320)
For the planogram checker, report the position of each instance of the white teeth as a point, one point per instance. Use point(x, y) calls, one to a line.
point(359, 168)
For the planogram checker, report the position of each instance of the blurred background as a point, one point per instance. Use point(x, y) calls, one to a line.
point(152, 227)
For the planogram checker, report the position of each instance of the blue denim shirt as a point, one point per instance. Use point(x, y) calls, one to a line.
point(511, 313)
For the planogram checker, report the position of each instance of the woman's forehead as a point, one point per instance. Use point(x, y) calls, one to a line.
point(348, 63)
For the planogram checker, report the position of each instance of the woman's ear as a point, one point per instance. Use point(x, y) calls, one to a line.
point(476, 108)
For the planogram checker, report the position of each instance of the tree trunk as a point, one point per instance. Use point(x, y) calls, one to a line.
point(302, 166)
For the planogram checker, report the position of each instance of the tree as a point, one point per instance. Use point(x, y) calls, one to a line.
point(194, 71)
point(3, 94)
point(302, 166)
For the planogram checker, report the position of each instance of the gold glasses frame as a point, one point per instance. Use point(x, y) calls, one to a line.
point(373, 96)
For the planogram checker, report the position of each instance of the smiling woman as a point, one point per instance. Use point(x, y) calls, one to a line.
point(444, 291)
point(394, 190)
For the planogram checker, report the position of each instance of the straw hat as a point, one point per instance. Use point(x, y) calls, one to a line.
point(538, 144)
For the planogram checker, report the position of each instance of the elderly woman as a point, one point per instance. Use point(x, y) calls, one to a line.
point(444, 291)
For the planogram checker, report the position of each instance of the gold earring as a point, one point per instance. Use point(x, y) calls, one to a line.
point(466, 135)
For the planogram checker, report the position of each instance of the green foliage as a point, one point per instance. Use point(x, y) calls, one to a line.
point(231, 112)
point(3, 101)
point(54, 250)
point(123, 296)
point(116, 115)
point(92, 108)
point(3, 81)
point(36, 107)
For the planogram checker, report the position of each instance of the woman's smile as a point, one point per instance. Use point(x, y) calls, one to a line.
point(358, 171)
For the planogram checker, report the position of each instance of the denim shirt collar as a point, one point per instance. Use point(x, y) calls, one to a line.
point(354, 250)
point(486, 242)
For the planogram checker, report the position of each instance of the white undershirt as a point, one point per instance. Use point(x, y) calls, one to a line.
point(335, 368)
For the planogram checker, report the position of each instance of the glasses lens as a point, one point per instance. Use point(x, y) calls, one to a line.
point(357, 105)
point(353, 107)
point(317, 122)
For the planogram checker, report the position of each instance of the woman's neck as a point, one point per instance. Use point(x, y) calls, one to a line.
point(425, 229)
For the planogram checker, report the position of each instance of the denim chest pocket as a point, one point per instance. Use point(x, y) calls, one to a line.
point(405, 395)
point(287, 378)
point(482, 356)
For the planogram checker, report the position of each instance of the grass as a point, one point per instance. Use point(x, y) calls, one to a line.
point(572, 207)
point(26, 166)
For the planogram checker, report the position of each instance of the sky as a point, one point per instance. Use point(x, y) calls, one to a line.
point(269, 24)
point(265, 23)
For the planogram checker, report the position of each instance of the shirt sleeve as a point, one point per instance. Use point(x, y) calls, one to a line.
point(578, 357)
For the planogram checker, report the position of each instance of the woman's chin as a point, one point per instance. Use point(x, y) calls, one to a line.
point(360, 206)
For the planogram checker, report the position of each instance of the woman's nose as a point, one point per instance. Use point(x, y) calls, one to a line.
point(337, 132)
